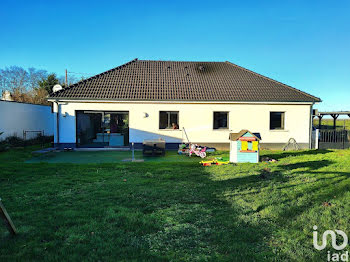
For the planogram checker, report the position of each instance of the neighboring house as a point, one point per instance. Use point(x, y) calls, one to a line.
point(6, 96)
point(160, 99)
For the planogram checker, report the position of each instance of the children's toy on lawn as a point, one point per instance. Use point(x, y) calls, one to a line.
point(218, 161)
point(244, 147)
point(183, 149)
point(197, 150)
point(190, 148)
point(222, 161)
point(268, 159)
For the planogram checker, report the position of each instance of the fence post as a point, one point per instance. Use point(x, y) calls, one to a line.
point(132, 152)
point(317, 138)
point(24, 138)
point(7, 220)
point(42, 139)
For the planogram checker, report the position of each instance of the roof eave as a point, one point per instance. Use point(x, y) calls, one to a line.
point(51, 99)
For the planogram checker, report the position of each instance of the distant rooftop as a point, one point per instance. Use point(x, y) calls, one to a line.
point(141, 80)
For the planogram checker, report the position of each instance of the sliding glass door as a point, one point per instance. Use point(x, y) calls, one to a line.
point(102, 129)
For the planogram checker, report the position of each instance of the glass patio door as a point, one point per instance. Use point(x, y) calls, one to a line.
point(102, 129)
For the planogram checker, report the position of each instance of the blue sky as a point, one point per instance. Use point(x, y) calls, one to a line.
point(305, 44)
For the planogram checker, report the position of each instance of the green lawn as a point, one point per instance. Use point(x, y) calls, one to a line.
point(178, 211)
point(327, 123)
point(85, 157)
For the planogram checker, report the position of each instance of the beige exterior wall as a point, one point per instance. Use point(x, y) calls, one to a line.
point(197, 118)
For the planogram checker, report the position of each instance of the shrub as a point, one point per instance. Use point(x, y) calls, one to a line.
point(14, 141)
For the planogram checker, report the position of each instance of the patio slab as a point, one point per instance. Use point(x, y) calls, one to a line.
point(80, 157)
point(44, 150)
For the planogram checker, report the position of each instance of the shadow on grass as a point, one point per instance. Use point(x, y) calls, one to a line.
point(247, 235)
point(325, 186)
point(279, 155)
point(289, 193)
point(319, 186)
point(127, 211)
point(158, 211)
point(309, 165)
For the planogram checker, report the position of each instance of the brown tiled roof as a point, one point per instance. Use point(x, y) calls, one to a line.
point(182, 81)
point(236, 136)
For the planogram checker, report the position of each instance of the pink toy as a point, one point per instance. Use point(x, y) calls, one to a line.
point(198, 151)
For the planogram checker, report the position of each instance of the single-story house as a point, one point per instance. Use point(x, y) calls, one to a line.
point(145, 99)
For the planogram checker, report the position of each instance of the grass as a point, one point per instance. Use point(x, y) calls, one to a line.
point(173, 211)
point(85, 157)
point(328, 123)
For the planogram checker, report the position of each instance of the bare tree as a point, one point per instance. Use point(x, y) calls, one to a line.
point(71, 80)
point(31, 85)
point(14, 78)
point(18, 80)
point(34, 76)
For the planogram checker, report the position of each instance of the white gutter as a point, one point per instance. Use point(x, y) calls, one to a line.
point(310, 127)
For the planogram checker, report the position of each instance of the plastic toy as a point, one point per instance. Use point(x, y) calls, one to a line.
point(244, 147)
point(197, 150)
point(183, 149)
point(190, 148)
point(216, 161)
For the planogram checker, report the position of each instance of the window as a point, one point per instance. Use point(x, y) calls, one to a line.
point(276, 120)
point(249, 146)
point(220, 120)
point(168, 120)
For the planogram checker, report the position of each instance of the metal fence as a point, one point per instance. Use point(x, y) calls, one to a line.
point(334, 139)
point(32, 134)
point(38, 135)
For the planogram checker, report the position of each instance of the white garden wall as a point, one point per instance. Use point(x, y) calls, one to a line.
point(16, 117)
